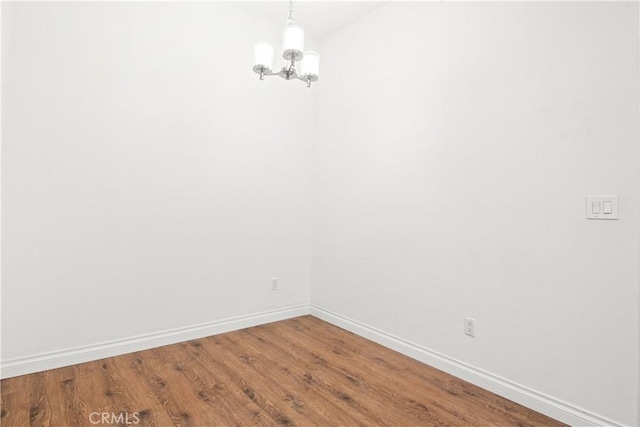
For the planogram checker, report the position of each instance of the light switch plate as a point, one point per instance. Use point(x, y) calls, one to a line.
point(602, 207)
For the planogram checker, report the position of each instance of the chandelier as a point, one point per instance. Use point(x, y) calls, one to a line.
point(292, 52)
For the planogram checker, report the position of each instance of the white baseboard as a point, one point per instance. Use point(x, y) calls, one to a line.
point(537, 401)
point(58, 359)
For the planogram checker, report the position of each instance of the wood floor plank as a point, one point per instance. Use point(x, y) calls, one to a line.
point(15, 402)
point(297, 372)
point(69, 409)
point(39, 399)
point(91, 387)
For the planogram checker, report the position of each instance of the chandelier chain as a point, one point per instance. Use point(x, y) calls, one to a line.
point(290, 11)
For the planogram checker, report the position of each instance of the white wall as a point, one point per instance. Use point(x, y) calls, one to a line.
point(150, 180)
point(456, 145)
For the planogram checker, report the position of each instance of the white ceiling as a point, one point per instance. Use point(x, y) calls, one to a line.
point(318, 18)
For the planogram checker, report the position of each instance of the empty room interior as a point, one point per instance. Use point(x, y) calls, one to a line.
point(320, 213)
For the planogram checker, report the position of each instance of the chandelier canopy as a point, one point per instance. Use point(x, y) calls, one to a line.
point(292, 52)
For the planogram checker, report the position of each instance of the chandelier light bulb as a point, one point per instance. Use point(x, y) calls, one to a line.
point(293, 43)
point(310, 65)
point(263, 57)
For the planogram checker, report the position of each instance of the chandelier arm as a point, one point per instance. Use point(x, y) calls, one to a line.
point(263, 71)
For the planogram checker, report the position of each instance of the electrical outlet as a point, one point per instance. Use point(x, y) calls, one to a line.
point(469, 326)
point(274, 284)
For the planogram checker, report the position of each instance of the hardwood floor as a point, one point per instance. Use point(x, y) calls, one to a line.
point(300, 371)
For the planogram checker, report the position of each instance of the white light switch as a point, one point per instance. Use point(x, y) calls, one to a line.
point(602, 207)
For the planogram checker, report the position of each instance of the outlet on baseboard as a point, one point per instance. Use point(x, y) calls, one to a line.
point(469, 326)
point(274, 283)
